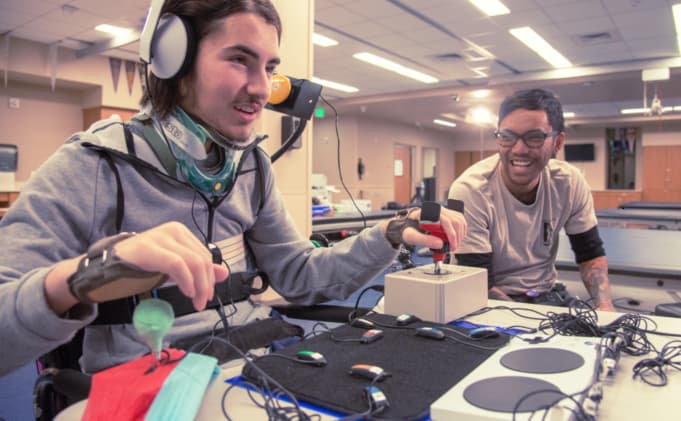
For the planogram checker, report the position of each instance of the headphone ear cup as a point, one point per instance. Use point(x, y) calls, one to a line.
point(173, 47)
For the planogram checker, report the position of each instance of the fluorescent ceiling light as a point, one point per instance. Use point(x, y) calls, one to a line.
point(479, 72)
point(394, 67)
point(536, 43)
point(491, 7)
point(113, 30)
point(568, 114)
point(444, 122)
point(645, 110)
point(322, 41)
point(334, 85)
point(634, 110)
point(676, 11)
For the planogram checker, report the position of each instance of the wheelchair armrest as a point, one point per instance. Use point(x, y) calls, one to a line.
point(321, 312)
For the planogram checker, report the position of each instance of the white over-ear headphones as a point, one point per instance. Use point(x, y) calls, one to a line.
point(167, 43)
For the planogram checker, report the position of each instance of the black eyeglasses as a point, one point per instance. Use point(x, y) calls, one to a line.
point(533, 138)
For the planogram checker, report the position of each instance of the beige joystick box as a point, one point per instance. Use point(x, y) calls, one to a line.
point(444, 297)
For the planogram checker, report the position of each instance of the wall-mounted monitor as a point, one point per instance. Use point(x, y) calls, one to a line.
point(8, 158)
point(580, 152)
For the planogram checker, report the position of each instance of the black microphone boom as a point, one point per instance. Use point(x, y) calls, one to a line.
point(300, 103)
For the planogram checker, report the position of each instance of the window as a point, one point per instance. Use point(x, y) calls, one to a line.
point(621, 150)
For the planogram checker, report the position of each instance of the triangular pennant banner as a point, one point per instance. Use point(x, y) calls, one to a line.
point(130, 73)
point(115, 64)
point(142, 69)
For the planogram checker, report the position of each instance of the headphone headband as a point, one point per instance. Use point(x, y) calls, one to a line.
point(150, 25)
point(167, 43)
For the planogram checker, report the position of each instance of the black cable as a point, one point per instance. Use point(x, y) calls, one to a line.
point(469, 343)
point(288, 357)
point(657, 332)
point(269, 389)
point(580, 415)
point(652, 370)
point(196, 223)
point(315, 332)
point(353, 313)
point(582, 320)
point(338, 161)
point(516, 311)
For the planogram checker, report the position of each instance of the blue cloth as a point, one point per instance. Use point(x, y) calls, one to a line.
point(181, 395)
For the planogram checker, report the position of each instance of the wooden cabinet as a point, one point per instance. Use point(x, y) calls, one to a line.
point(464, 159)
point(662, 173)
point(90, 115)
point(6, 200)
point(612, 199)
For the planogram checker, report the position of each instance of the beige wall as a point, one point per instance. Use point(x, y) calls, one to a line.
point(28, 61)
point(42, 122)
point(373, 141)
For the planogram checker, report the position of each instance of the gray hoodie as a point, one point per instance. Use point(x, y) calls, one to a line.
point(70, 202)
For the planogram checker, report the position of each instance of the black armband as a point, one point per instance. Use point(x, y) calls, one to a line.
point(587, 245)
point(478, 260)
point(455, 205)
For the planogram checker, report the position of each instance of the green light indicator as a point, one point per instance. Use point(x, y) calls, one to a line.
point(152, 319)
point(319, 112)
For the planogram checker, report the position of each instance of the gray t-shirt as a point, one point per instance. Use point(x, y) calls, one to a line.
point(523, 239)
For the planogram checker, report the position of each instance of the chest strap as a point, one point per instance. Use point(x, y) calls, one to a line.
point(238, 287)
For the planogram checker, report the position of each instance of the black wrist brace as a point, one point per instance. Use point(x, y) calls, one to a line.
point(103, 276)
point(396, 227)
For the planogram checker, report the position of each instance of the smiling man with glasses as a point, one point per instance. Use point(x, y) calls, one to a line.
point(518, 200)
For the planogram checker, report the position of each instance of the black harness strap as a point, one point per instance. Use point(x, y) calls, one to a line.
point(129, 141)
point(160, 148)
point(120, 198)
point(238, 287)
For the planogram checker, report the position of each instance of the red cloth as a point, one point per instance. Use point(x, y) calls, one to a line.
point(124, 392)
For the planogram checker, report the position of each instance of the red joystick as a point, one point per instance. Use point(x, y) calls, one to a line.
point(430, 222)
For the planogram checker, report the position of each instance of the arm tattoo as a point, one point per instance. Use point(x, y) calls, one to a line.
point(594, 274)
point(495, 293)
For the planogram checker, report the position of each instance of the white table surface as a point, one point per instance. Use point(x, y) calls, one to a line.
point(624, 398)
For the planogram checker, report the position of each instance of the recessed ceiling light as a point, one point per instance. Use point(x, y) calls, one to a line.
point(536, 43)
point(444, 122)
point(113, 30)
point(480, 115)
point(334, 85)
point(395, 67)
point(323, 41)
point(481, 93)
point(491, 7)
